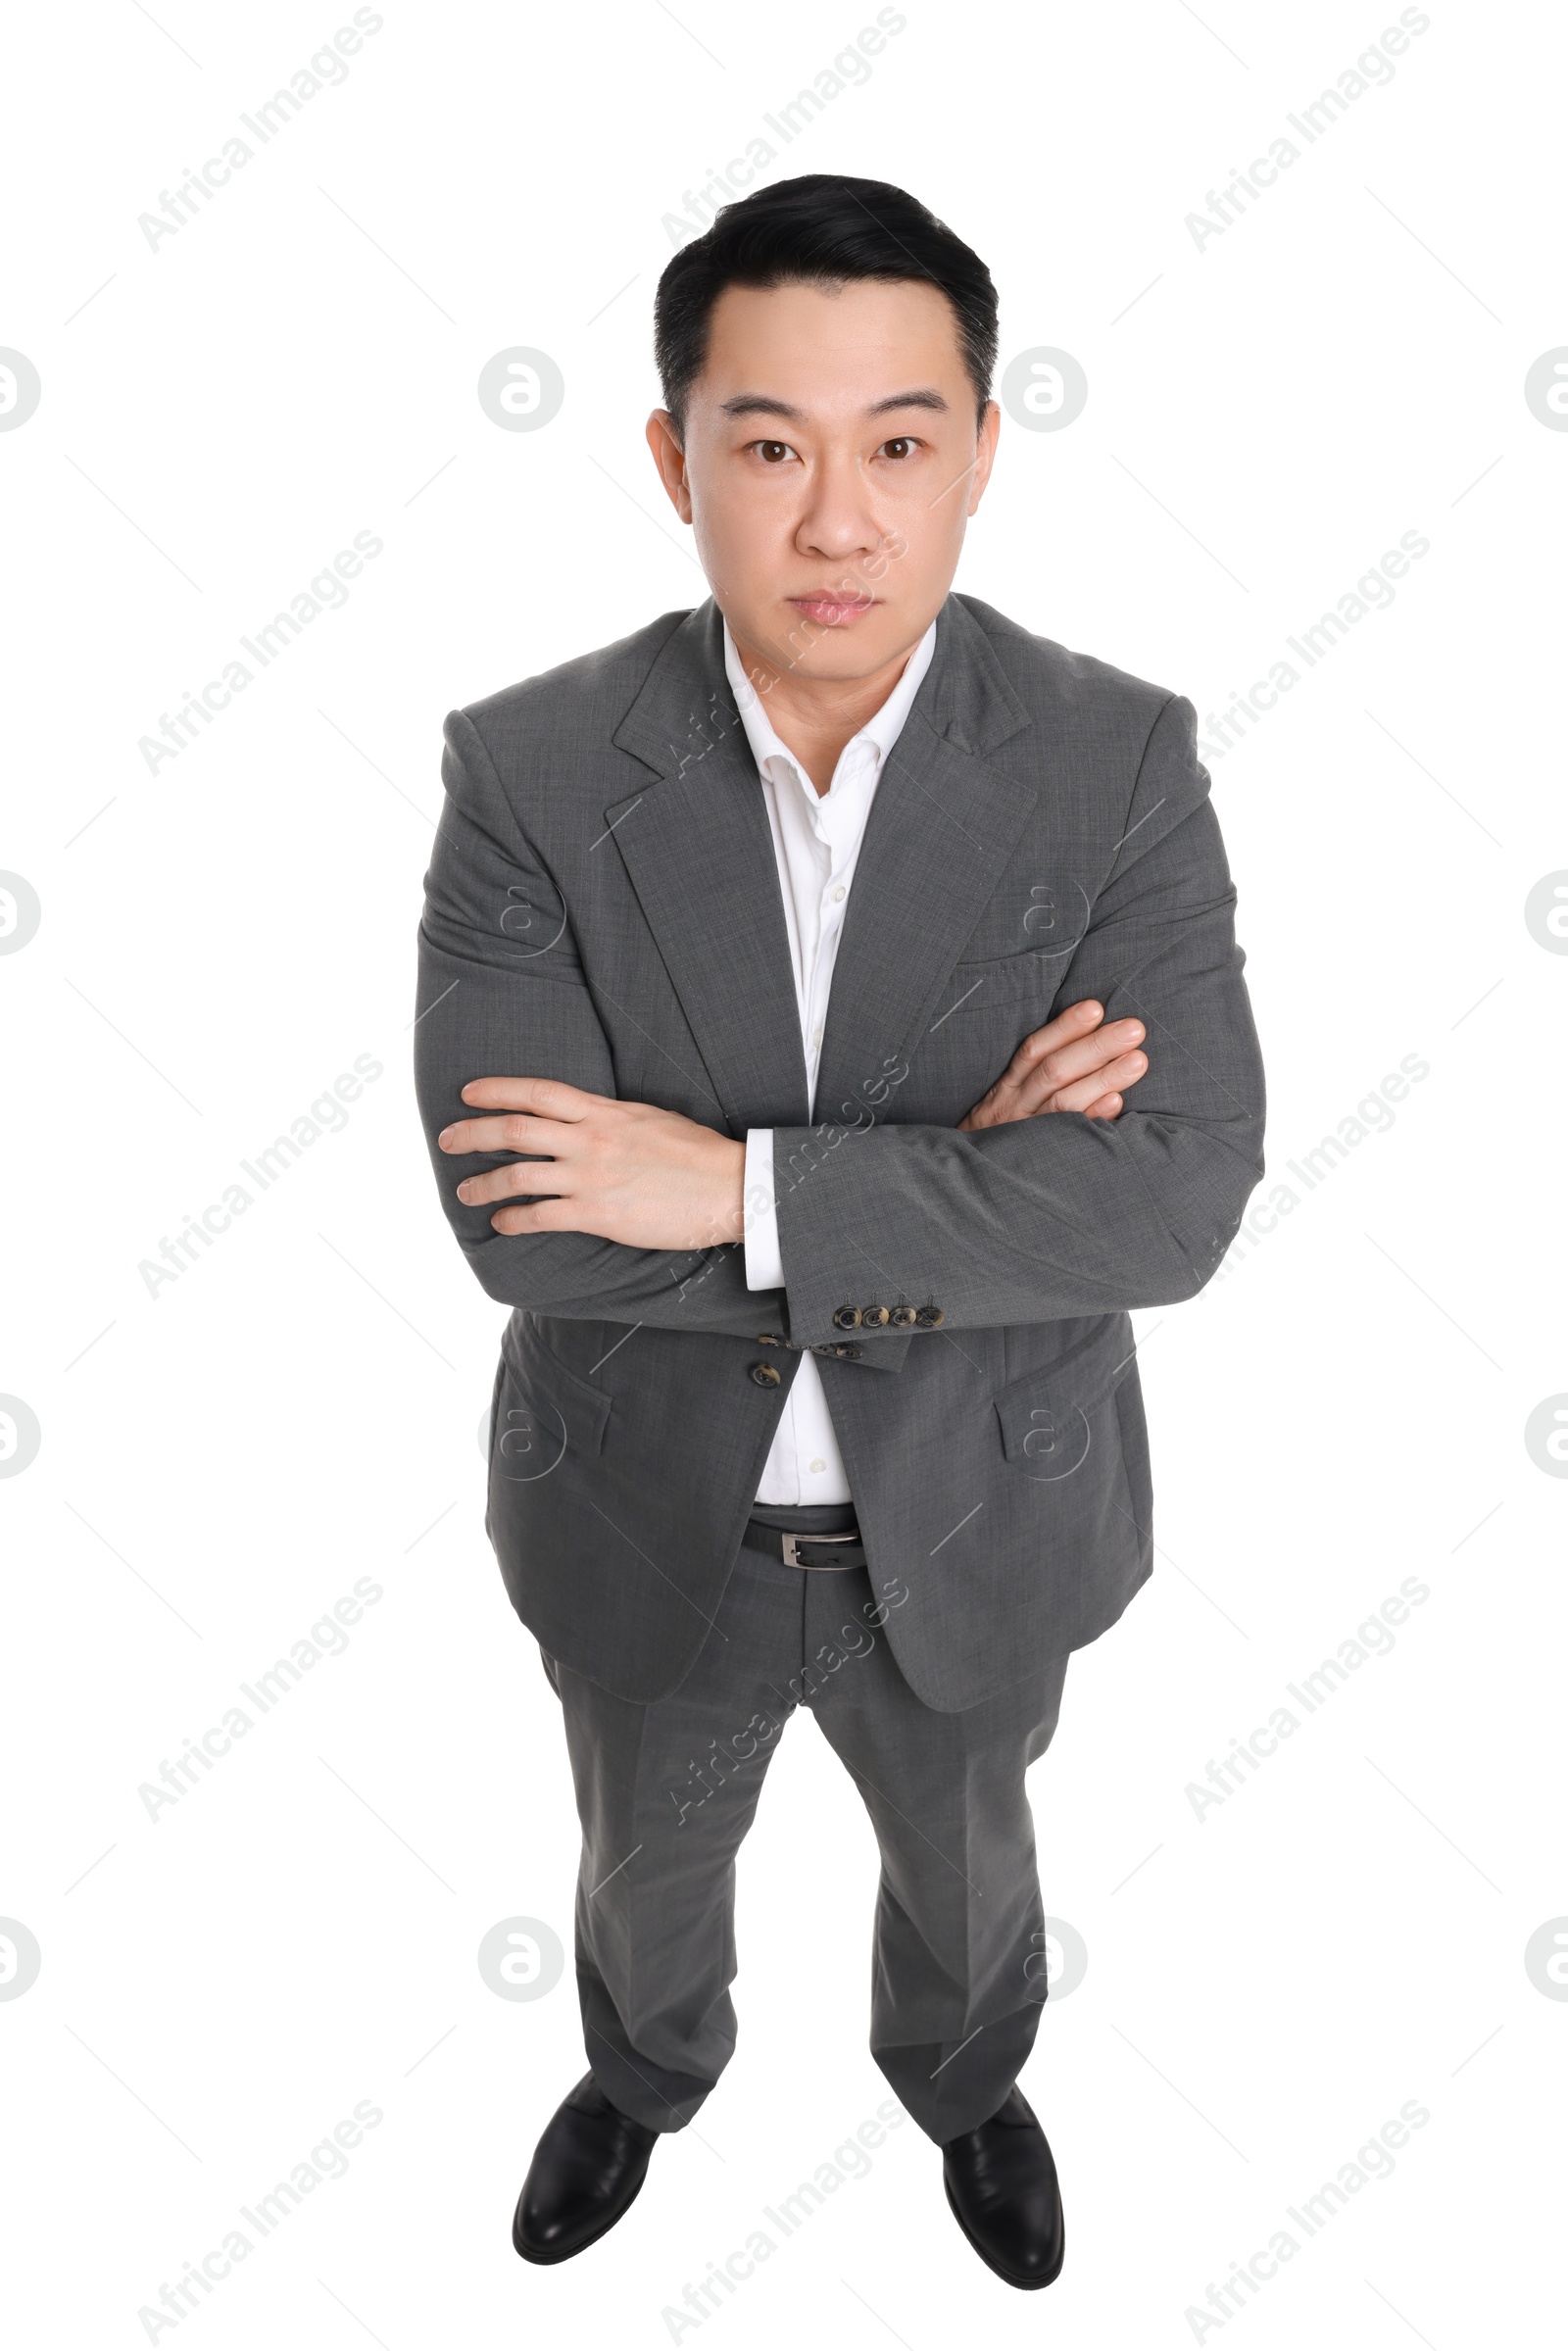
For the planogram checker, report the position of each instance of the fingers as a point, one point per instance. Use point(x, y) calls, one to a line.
point(1063, 1083)
point(516, 1132)
point(1114, 1078)
point(1021, 1088)
point(539, 1216)
point(1080, 1056)
point(519, 1180)
point(1077, 1021)
point(548, 1098)
point(1069, 1047)
point(1101, 1095)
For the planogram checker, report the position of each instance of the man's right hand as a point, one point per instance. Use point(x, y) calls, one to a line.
point(1075, 1062)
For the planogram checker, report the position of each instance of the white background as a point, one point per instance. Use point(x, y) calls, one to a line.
point(1343, 1409)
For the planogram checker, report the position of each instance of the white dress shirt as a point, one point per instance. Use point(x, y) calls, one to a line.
point(816, 839)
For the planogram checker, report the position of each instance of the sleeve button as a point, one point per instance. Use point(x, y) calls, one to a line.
point(847, 1318)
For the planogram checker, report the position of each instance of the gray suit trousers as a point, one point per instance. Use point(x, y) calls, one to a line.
point(666, 1790)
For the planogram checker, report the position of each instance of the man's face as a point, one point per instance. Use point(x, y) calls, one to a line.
point(829, 466)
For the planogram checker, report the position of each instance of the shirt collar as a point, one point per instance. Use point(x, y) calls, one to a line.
point(879, 733)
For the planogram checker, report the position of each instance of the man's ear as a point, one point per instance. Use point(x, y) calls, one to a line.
point(985, 453)
point(663, 439)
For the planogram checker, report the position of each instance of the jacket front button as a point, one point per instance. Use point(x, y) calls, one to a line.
point(847, 1318)
point(875, 1317)
point(765, 1375)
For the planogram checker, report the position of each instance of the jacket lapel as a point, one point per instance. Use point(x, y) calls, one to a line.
point(700, 855)
point(943, 824)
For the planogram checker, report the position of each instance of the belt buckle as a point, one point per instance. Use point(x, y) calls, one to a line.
point(792, 1542)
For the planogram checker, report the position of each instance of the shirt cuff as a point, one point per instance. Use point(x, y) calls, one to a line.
point(765, 1264)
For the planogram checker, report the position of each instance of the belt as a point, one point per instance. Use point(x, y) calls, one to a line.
point(806, 1550)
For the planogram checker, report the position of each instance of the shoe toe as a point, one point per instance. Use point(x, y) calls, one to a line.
point(547, 2231)
point(1031, 2250)
point(1002, 2185)
point(587, 2169)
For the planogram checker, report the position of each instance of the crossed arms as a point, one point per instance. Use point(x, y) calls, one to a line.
point(1053, 1197)
point(652, 1179)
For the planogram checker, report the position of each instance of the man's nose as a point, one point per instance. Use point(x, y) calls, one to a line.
point(838, 521)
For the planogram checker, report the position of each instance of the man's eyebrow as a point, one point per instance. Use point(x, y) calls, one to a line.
point(760, 404)
point(764, 403)
point(927, 397)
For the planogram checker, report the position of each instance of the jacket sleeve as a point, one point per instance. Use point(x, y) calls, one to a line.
point(1060, 1214)
point(502, 992)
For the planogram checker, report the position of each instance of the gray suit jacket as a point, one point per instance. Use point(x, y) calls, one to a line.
point(604, 907)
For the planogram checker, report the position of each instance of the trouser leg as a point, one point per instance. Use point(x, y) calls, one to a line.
point(665, 1793)
point(958, 1971)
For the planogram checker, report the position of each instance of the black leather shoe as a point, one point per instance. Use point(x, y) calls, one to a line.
point(586, 2170)
point(1001, 2184)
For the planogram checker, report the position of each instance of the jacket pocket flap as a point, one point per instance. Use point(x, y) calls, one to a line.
point(543, 1408)
point(1006, 979)
point(1046, 1415)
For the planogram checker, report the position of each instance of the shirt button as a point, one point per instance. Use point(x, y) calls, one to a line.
point(817, 1468)
point(816, 1034)
point(838, 892)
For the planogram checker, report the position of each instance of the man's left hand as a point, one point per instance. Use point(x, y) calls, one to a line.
point(624, 1171)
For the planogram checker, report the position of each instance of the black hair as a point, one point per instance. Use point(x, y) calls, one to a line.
point(822, 229)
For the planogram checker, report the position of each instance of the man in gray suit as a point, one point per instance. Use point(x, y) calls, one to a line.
point(785, 973)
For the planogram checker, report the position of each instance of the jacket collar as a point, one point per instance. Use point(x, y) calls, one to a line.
point(696, 844)
point(685, 699)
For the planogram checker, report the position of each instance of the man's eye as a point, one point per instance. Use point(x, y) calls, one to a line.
point(903, 446)
point(772, 453)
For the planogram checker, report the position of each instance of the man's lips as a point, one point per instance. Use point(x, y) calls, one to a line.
point(832, 607)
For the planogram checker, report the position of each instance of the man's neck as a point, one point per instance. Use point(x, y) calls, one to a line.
point(814, 717)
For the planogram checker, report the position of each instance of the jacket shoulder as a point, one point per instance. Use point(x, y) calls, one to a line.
point(592, 691)
point(1060, 686)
